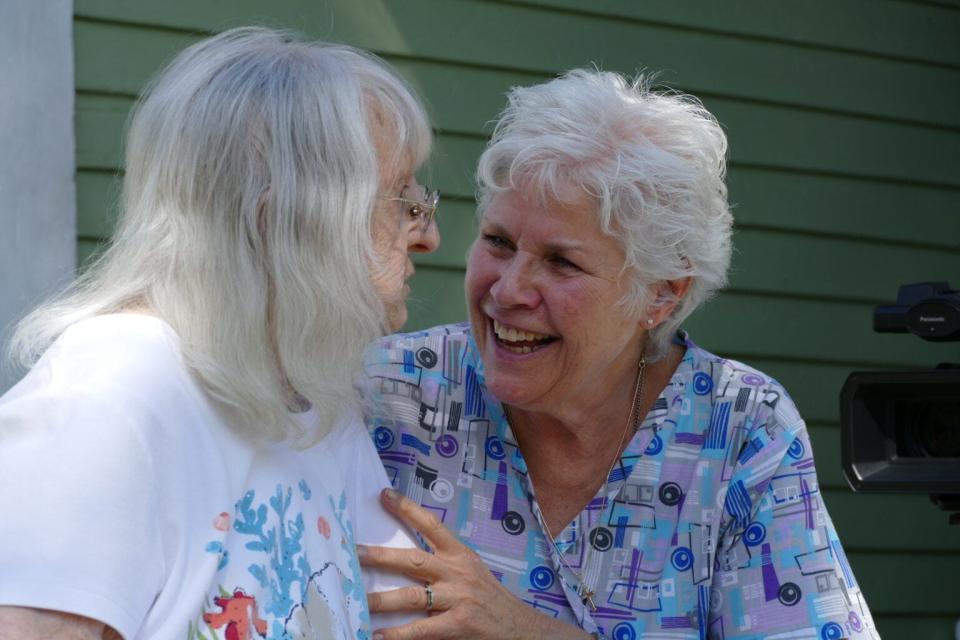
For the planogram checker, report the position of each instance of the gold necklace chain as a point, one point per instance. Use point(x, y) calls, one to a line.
point(583, 592)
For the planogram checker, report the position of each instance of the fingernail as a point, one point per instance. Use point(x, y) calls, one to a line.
point(377, 636)
point(361, 550)
point(392, 496)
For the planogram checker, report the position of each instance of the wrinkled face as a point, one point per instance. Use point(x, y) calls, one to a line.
point(543, 286)
point(394, 237)
point(395, 234)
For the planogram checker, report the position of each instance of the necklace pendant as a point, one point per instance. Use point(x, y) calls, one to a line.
point(586, 596)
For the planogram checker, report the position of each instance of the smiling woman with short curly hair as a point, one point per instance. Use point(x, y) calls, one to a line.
point(599, 472)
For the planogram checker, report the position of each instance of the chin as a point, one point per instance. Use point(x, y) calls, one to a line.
point(505, 391)
point(515, 393)
point(396, 317)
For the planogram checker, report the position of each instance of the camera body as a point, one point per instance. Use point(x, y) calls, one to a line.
point(929, 310)
point(901, 429)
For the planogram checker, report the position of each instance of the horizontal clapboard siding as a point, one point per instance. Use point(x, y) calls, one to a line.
point(857, 27)
point(844, 123)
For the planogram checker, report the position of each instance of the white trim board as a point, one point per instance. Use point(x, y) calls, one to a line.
point(38, 229)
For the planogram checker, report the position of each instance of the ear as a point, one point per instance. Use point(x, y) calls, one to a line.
point(667, 294)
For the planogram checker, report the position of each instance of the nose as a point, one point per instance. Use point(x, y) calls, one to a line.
point(425, 240)
point(516, 286)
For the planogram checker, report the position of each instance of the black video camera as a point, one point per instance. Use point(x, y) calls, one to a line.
point(901, 429)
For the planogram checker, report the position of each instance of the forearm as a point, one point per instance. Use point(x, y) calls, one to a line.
point(24, 623)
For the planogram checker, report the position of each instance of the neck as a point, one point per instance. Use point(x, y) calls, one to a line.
point(567, 463)
point(583, 429)
point(568, 453)
point(594, 439)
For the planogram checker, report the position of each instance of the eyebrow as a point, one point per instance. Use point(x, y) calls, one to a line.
point(403, 180)
point(564, 247)
point(555, 246)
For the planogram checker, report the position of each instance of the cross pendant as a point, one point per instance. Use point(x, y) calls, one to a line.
point(586, 596)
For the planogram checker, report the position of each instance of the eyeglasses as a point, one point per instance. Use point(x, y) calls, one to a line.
point(422, 205)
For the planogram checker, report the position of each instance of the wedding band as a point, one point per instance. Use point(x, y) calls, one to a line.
point(429, 591)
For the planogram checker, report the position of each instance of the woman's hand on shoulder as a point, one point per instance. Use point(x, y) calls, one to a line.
point(468, 601)
point(25, 623)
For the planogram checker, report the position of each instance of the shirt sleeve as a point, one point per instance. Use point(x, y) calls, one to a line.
point(78, 503)
point(780, 566)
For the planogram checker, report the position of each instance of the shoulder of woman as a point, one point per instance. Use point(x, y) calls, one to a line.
point(725, 378)
point(112, 354)
point(402, 357)
point(413, 339)
point(110, 386)
point(743, 396)
point(81, 440)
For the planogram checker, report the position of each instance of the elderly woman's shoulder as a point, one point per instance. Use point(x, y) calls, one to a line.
point(105, 365)
point(110, 397)
point(747, 388)
point(439, 335)
point(119, 350)
point(404, 358)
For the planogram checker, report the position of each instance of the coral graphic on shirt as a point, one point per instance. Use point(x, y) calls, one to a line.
point(271, 544)
point(352, 585)
point(238, 613)
point(282, 546)
point(323, 527)
point(222, 522)
point(223, 556)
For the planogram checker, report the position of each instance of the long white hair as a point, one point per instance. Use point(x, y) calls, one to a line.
point(654, 163)
point(251, 179)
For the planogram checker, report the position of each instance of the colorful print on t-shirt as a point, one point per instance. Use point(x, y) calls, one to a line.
point(287, 570)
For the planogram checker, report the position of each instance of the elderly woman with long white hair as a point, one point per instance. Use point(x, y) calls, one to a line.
point(598, 472)
point(184, 459)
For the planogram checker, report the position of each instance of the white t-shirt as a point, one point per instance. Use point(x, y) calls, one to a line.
point(124, 497)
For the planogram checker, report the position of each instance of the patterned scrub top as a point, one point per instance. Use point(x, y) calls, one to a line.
point(711, 525)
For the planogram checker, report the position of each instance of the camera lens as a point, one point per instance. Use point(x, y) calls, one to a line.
point(929, 430)
point(937, 430)
point(901, 430)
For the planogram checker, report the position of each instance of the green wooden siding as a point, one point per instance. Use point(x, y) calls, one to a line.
point(844, 123)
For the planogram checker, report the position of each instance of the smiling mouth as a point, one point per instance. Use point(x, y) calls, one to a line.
point(519, 341)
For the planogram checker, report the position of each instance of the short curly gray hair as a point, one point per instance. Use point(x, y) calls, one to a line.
point(654, 161)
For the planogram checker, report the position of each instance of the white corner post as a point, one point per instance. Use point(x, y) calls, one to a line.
point(38, 228)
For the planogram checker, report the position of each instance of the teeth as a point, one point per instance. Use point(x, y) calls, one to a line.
point(511, 334)
point(512, 349)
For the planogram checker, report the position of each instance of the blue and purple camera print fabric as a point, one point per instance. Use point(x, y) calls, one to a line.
point(711, 525)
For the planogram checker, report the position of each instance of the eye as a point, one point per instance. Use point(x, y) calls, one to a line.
point(495, 241)
point(415, 211)
point(563, 263)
